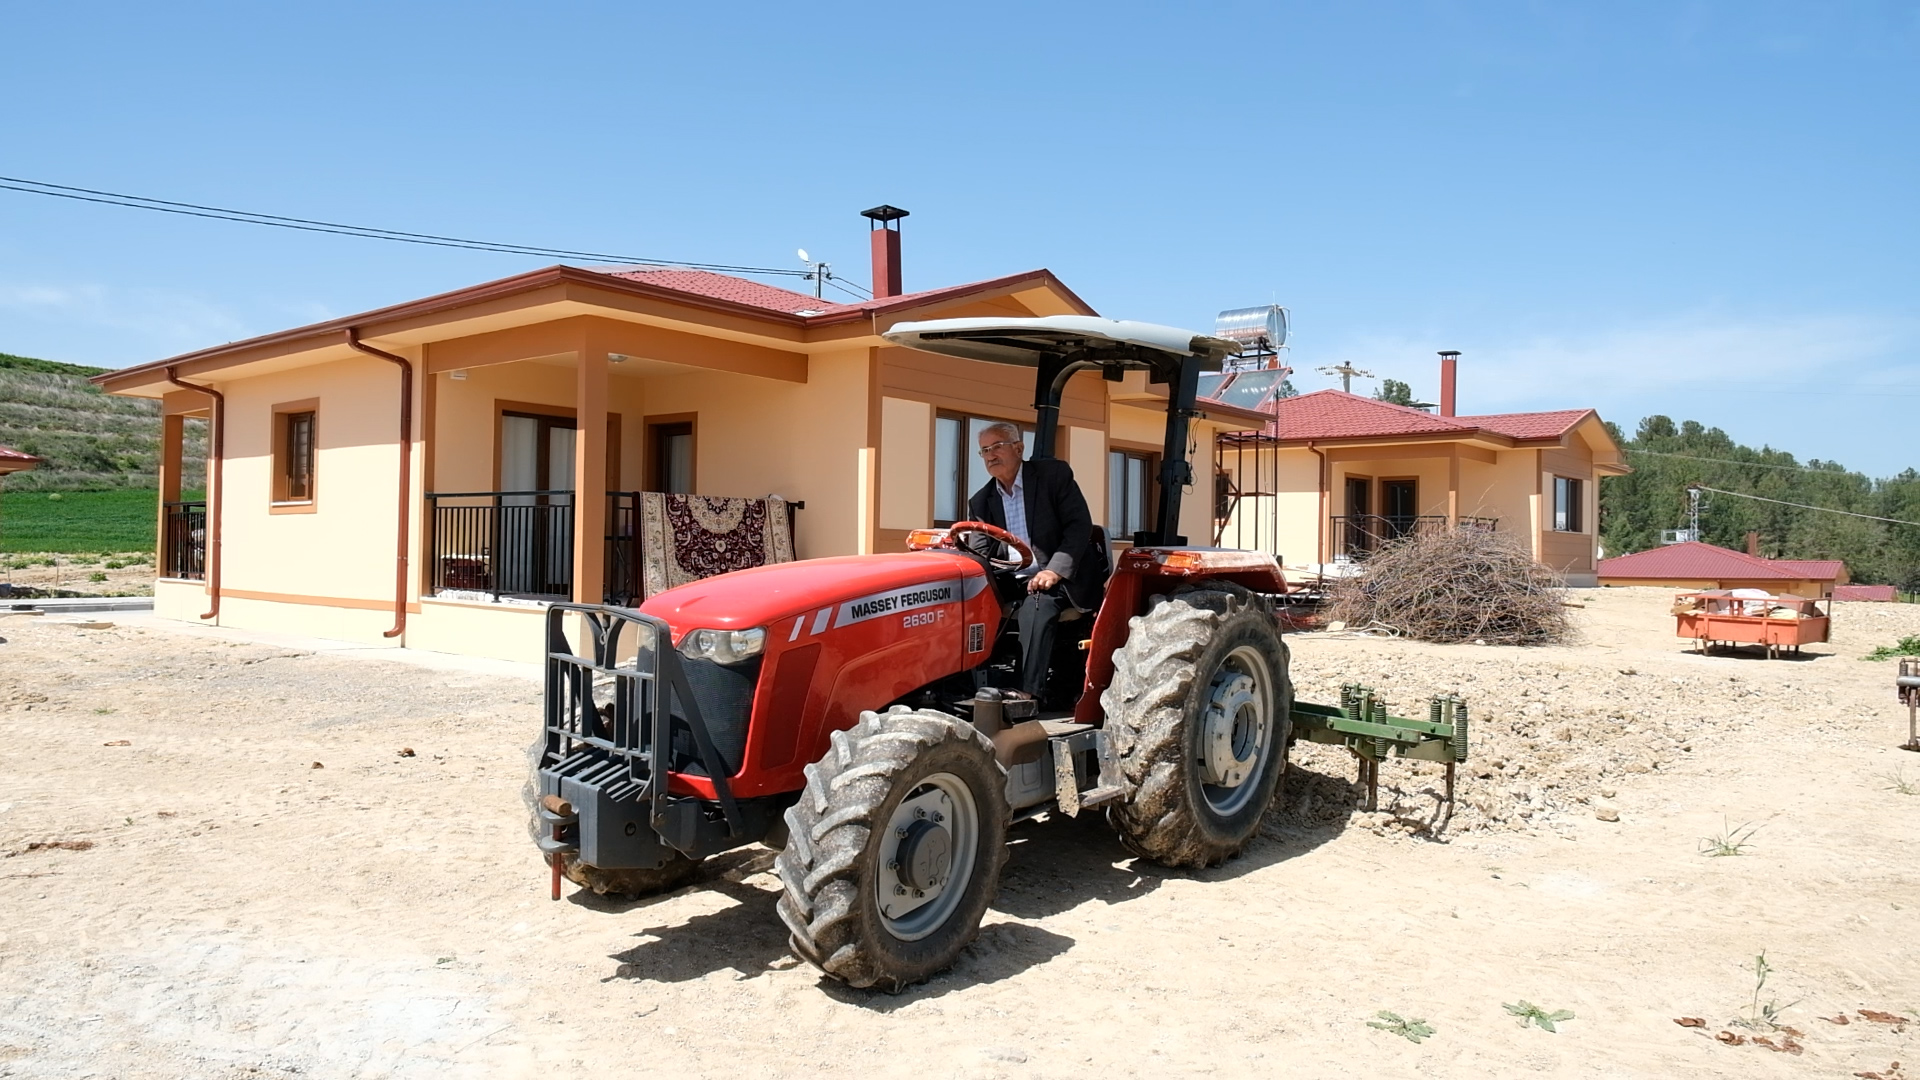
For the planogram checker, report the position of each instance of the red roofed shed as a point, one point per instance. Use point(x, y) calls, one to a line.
point(1705, 566)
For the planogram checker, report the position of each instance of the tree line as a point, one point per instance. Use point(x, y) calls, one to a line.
point(1668, 457)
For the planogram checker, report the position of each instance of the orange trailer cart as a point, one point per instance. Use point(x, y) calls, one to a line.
point(1750, 617)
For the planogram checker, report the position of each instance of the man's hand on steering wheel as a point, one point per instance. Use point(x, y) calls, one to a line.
point(1020, 548)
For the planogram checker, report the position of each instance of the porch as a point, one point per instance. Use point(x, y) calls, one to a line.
point(1357, 536)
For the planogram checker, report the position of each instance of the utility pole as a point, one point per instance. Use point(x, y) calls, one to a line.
point(1346, 371)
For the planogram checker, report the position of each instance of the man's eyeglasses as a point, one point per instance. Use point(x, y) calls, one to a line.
point(992, 446)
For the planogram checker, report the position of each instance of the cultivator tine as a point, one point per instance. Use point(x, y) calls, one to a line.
point(1361, 723)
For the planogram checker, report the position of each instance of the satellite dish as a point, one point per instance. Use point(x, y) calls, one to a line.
point(803, 255)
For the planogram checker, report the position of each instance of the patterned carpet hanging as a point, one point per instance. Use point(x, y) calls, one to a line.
point(688, 537)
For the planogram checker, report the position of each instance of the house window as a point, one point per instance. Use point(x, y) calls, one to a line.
point(294, 456)
point(672, 447)
point(1129, 485)
point(1566, 505)
point(958, 471)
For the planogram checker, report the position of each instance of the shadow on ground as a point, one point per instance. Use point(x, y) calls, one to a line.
point(1054, 865)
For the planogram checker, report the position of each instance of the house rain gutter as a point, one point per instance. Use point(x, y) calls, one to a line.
point(216, 498)
point(406, 478)
point(1319, 529)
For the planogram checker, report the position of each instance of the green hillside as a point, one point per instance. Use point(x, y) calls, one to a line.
point(90, 441)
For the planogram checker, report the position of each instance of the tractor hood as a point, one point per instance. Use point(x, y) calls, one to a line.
point(832, 592)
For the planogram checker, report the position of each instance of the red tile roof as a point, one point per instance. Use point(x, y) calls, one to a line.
point(786, 301)
point(1529, 425)
point(1706, 562)
point(1336, 414)
point(1882, 593)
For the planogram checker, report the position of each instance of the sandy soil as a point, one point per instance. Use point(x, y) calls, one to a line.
point(242, 912)
point(72, 574)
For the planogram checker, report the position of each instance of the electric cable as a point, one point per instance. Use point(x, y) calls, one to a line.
point(1806, 506)
point(1730, 461)
point(248, 217)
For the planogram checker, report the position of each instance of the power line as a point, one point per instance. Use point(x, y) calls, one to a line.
point(1806, 506)
point(1730, 461)
point(279, 221)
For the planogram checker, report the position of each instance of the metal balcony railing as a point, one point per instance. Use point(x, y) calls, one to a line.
point(1356, 536)
point(183, 545)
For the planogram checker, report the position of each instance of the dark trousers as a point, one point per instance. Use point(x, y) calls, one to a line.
point(1037, 616)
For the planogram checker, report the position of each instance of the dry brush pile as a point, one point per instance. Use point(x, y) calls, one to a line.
point(1453, 586)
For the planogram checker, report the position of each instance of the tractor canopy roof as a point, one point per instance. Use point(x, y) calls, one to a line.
point(1031, 342)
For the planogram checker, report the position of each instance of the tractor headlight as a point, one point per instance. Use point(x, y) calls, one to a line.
point(723, 646)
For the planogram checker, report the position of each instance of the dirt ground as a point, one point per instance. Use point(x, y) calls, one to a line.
point(217, 863)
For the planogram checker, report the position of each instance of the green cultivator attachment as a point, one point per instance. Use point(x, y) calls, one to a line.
point(1361, 724)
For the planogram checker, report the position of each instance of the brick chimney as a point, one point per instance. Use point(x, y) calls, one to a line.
point(886, 248)
point(1753, 544)
point(1449, 365)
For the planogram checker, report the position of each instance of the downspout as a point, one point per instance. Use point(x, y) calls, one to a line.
point(217, 498)
point(406, 478)
point(1320, 521)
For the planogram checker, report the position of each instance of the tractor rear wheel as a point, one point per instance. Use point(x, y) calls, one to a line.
point(894, 849)
point(1199, 714)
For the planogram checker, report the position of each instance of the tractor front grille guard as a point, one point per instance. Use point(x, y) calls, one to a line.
point(620, 696)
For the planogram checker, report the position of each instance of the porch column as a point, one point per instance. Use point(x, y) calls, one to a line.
point(173, 428)
point(590, 474)
point(1453, 486)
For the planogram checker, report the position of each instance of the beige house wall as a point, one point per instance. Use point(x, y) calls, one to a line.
point(1814, 590)
point(320, 550)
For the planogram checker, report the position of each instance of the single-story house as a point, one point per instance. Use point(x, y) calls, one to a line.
point(408, 474)
point(1334, 475)
point(13, 461)
point(1696, 565)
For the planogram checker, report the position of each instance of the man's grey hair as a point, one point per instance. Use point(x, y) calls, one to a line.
point(1003, 431)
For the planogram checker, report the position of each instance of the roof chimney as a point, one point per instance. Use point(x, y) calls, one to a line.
point(886, 248)
point(1753, 544)
point(1449, 365)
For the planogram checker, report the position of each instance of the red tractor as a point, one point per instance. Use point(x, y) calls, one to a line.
point(847, 710)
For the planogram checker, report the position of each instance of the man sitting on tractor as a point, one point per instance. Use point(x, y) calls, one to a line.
point(1039, 502)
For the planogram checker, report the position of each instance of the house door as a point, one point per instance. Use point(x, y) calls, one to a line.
point(1358, 525)
point(535, 551)
point(1400, 506)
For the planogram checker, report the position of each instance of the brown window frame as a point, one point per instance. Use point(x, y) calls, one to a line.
point(1149, 460)
point(1570, 518)
point(962, 449)
point(287, 495)
point(659, 429)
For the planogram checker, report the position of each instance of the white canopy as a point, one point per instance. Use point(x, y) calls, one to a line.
point(1024, 341)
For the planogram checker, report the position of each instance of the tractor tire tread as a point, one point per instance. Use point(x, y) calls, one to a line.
point(1150, 706)
point(821, 875)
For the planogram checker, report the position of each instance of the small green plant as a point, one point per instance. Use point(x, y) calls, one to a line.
point(1732, 840)
point(97, 576)
point(1529, 1013)
point(103, 710)
point(1412, 1030)
point(1763, 1017)
point(1897, 781)
point(1908, 646)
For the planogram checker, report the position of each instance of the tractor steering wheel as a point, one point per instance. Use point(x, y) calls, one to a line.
point(1019, 546)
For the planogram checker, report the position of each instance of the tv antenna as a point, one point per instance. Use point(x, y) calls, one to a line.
point(817, 272)
point(1346, 371)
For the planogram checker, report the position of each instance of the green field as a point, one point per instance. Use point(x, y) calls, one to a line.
point(71, 522)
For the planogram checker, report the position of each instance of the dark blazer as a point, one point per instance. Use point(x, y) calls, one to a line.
point(1058, 523)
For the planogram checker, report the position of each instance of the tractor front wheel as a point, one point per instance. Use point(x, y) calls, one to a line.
point(631, 883)
point(894, 849)
point(1199, 713)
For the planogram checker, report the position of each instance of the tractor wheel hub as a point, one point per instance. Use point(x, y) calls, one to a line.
point(925, 855)
point(1235, 729)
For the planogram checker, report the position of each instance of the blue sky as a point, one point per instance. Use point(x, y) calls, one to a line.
point(1709, 210)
